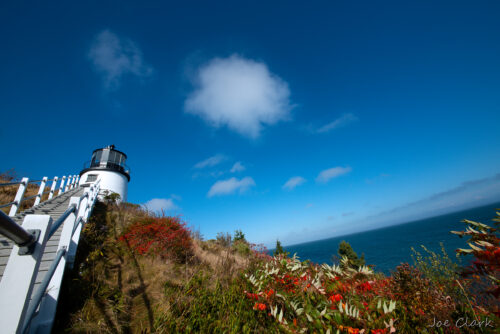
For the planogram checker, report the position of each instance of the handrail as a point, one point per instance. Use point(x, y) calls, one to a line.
point(83, 196)
point(7, 204)
point(37, 297)
point(19, 182)
point(10, 183)
point(15, 232)
point(61, 219)
point(28, 198)
point(80, 220)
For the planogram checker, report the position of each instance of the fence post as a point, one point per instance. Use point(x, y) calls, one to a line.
point(20, 275)
point(53, 187)
point(43, 321)
point(94, 190)
point(75, 238)
point(66, 188)
point(77, 180)
point(61, 187)
point(40, 191)
point(19, 196)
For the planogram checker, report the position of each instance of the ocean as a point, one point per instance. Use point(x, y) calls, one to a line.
point(387, 247)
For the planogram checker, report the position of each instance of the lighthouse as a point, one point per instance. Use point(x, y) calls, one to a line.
point(108, 166)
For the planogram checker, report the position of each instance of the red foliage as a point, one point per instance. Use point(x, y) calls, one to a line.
point(335, 298)
point(259, 306)
point(252, 295)
point(366, 286)
point(163, 236)
point(484, 272)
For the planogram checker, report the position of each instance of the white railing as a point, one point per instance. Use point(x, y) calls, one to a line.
point(23, 184)
point(23, 310)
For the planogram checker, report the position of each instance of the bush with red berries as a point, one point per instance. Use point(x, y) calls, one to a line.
point(167, 237)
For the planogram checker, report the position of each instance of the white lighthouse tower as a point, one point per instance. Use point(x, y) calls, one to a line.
point(107, 165)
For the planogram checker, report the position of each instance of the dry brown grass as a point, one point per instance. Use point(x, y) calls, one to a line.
point(8, 193)
point(222, 260)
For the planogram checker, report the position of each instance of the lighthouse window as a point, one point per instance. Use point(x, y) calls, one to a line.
point(91, 178)
point(96, 158)
point(112, 157)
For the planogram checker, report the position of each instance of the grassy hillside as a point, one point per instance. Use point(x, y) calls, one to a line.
point(120, 286)
point(140, 273)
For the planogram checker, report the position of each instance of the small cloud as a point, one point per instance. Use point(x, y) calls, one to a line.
point(328, 174)
point(237, 167)
point(114, 57)
point(309, 205)
point(294, 182)
point(176, 197)
point(161, 204)
point(239, 93)
point(210, 162)
point(330, 218)
point(347, 214)
point(338, 123)
point(230, 186)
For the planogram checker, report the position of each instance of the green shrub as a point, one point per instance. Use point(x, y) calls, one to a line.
point(239, 235)
point(222, 309)
point(223, 239)
point(352, 260)
point(438, 268)
point(279, 250)
point(241, 247)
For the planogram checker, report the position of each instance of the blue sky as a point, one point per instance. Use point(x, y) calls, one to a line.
point(282, 119)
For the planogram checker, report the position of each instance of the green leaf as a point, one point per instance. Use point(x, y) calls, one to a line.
point(480, 225)
point(337, 317)
point(475, 247)
point(483, 243)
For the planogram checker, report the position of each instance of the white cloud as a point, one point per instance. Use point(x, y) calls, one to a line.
point(210, 162)
point(176, 197)
point(113, 57)
point(239, 93)
point(338, 123)
point(161, 204)
point(328, 174)
point(237, 167)
point(294, 182)
point(230, 186)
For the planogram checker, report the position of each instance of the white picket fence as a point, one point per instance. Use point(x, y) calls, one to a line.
point(23, 184)
point(23, 310)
